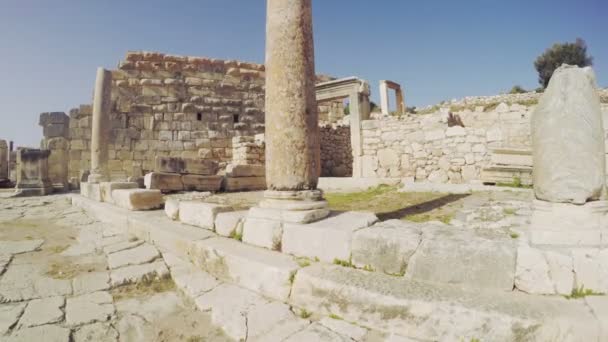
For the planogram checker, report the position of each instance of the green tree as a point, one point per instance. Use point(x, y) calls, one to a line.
point(517, 90)
point(566, 53)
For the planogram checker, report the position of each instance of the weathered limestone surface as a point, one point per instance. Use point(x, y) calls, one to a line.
point(200, 214)
point(428, 311)
point(102, 103)
point(192, 166)
point(138, 199)
point(254, 268)
point(89, 308)
point(571, 170)
point(328, 239)
point(106, 189)
point(164, 181)
point(202, 183)
point(385, 247)
point(292, 133)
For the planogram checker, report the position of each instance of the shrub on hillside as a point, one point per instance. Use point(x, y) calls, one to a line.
point(566, 53)
point(517, 90)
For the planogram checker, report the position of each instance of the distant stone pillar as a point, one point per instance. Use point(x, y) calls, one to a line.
point(384, 98)
point(33, 173)
point(569, 161)
point(102, 103)
point(3, 161)
point(401, 108)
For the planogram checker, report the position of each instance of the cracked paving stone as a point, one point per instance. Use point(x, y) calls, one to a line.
point(121, 246)
point(135, 256)
point(23, 282)
point(136, 273)
point(317, 332)
point(42, 311)
point(341, 327)
point(9, 314)
point(46, 333)
point(91, 282)
point(18, 247)
point(89, 308)
point(96, 332)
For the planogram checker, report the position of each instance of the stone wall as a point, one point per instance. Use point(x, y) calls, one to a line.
point(425, 148)
point(336, 151)
point(177, 106)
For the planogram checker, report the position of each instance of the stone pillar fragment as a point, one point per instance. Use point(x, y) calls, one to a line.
point(33, 173)
point(102, 103)
point(58, 162)
point(569, 162)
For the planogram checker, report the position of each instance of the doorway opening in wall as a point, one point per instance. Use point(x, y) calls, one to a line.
point(199, 116)
point(235, 118)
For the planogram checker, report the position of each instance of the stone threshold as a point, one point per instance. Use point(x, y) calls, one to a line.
point(419, 309)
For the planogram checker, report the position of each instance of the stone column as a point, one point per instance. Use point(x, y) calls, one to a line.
point(384, 98)
point(102, 103)
point(293, 162)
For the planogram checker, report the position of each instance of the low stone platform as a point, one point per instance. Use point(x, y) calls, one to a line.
point(428, 281)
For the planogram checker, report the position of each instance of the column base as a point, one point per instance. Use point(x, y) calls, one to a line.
point(569, 225)
point(264, 224)
point(95, 178)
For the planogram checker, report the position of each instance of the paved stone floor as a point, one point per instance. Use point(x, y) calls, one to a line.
point(66, 277)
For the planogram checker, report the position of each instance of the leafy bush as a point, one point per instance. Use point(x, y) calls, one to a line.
point(566, 53)
point(517, 90)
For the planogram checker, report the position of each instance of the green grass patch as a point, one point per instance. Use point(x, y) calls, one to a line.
point(343, 263)
point(514, 235)
point(305, 314)
point(334, 316)
point(236, 236)
point(516, 183)
point(388, 203)
point(509, 211)
point(582, 292)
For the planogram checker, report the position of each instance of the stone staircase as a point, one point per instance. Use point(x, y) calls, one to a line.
point(400, 281)
point(508, 166)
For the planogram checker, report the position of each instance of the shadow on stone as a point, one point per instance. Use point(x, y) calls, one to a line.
point(421, 208)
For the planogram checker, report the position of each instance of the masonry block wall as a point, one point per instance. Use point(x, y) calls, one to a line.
point(336, 151)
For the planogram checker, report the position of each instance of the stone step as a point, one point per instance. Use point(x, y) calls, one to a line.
point(328, 239)
point(138, 199)
point(434, 312)
point(267, 272)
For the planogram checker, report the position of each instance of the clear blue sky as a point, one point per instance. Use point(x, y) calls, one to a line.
point(436, 49)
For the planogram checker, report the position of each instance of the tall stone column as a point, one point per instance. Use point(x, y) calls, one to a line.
point(292, 133)
point(293, 162)
point(101, 126)
point(3, 161)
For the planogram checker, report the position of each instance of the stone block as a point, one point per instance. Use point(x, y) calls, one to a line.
point(439, 312)
point(91, 191)
point(288, 215)
point(245, 183)
point(193, 166)
point(385, 247)
point(165, 182)
point(328, 239)
point(200, 214)
point(226, 223)
point(245, 171)
point(138, 199)
point(455, 256)
point(172, 208)
point(202, 183)
point(106, 189)
point(263, 233)
point(565, 224)
point(253, 268)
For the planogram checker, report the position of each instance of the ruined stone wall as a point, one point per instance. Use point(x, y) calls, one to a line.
point(331, 111)
point(424, 147)
point(336, 151)
point(3, 160)
point(164, 105)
